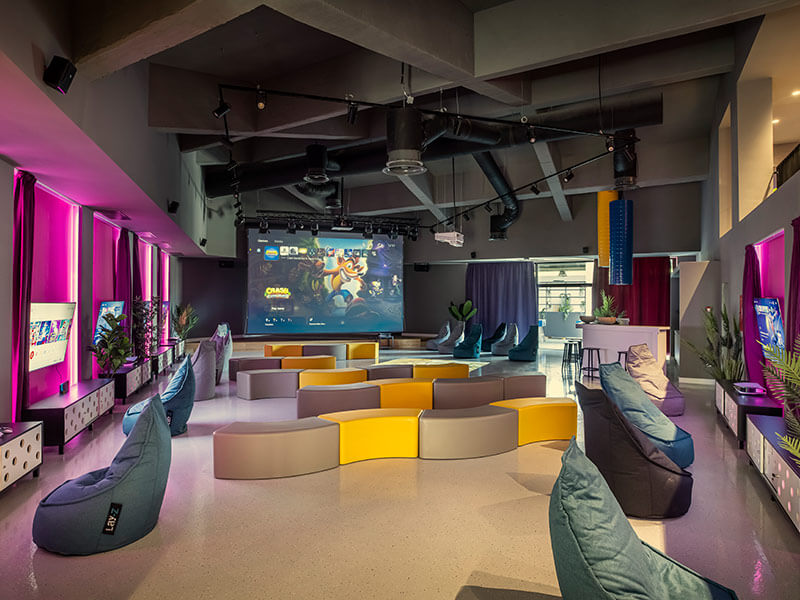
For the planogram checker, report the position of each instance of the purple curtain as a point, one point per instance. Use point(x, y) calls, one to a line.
point(751, 289)
point(137, 272)
point(24, 202)
point(122, 275)
point(503, 293)
point(793, 297)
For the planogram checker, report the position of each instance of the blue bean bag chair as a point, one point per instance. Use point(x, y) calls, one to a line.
point(596, 551)
point(631, 399)
point(486, 343)
point(112, 507)
point(471, 346)
point(178, 401)
point(528, 348)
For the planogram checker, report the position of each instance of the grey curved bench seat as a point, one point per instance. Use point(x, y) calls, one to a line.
point(525, 386)
point(314, 400)
point(267, 383)
point(467, 392)
point(338, 351)
point(467, 432)
point(276, 449)
point(389, 371)
point(252, 363)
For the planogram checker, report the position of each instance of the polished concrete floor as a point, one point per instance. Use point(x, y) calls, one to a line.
point(399, 528)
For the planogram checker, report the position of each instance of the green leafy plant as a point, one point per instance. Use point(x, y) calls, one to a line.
point(142, 327)
point(722, 354)
point(113, 346)
point(462, 312)
point(565, 307)
point(184, 318)
point(607, 308)
point(791, 445)
point(782, 373)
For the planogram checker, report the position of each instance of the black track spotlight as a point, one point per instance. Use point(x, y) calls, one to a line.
point(393, 232)
point(261, 99)
point(432, 229)
point(610, 144)
point(487, 208)
point(232, 164)
point(314, 228)
point(352, 113)
point(535, 189)
point(413, 234)
point(532, 134)
point(172, 207)
point(263, 226)
point(367, 235)
point(237, 205)
point(466, 216)
point(567, 177)
point(291, 227)
point(223, 109)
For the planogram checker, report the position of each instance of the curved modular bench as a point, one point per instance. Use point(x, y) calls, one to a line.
point(275, 449)
point(283, 350)
point(308, 362)
point(376, 433)
point(467, 432)
point(381, 371)
point(360, 350)
point(543, 419)
point(338, 351)
point(253, 363)
point(267, 383)
point(466, 392)
point(314, 400)
point(442, 371)
point(330, 377)
point(525, 386)
point(405, 393)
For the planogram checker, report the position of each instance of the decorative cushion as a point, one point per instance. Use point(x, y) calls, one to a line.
point(110, 507)
point(623, 391)
point(178, 401)
point(643, 367)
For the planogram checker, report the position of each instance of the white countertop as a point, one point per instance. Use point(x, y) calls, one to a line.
point(621, 327)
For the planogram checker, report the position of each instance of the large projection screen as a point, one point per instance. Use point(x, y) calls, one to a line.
point(299, 283)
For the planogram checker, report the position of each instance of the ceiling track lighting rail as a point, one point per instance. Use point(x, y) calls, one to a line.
point(293, 222)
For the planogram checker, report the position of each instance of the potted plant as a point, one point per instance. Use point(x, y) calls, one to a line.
point(606, 313)
point(782, 374)
point(142, 329)
point(113, 346)
point(722, 353)
point(462, 312)
point(184, 318)
point(565, 307)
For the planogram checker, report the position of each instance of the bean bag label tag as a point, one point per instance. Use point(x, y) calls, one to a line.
point(112, 519)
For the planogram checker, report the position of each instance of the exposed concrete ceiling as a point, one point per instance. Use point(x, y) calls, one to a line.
point(478, 5)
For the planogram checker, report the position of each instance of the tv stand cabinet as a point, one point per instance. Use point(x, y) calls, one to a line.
point(20, 452)
point(66, 415)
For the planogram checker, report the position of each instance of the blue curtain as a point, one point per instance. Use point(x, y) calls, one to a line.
point(503, 292)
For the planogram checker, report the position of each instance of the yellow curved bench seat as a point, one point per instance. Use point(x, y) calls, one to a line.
point(358, 350)
point(442, 371)
point(405, 393)
point(308, 362)
point(283, 350)
point(376, 433)
point(543, 419)
point(331, 376)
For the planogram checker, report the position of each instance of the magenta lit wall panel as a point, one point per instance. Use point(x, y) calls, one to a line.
point(772, 263)
point(104, 246)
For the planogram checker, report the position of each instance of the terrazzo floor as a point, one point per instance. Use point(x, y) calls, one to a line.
point(394, 528)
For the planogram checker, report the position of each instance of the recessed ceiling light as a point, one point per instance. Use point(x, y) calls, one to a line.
point(796, 93)
point(775, 121)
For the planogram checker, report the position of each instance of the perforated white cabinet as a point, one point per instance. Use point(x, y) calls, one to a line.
point(20, 451)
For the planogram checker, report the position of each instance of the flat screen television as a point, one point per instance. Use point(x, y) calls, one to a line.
point(49, 333)
point(116, 308)
point(770, 323)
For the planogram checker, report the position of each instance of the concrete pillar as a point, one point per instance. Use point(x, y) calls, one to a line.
point(6, 299)
point(751, 140)
point(85, 290)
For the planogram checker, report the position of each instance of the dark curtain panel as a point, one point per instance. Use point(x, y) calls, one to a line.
point(646, 300)
point(503, 293)
point(793, 295)
point(22, 266)
point(137, 292)
point(122, 275)
point(751, 289)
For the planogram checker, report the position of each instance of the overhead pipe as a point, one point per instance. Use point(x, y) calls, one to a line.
point(498, 224)
point(446, 136)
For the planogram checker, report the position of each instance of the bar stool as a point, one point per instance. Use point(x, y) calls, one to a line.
point(571, 352)
point(622, 358)
point(591, 367)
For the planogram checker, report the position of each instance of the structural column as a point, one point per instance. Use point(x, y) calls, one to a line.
point(752, 144)
point(85, 276)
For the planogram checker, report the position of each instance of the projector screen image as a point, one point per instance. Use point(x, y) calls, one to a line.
point(299, 283)
point(115, 308)
point(49, 326)
point(770, 323)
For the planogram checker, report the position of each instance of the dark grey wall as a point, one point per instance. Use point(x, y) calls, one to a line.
point(428, 294)
point(218, 294)
point(6, 254)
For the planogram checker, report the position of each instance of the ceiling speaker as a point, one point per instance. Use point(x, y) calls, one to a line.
point(59, 73)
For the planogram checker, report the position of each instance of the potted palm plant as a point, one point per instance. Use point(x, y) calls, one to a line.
point(184, 318)
point(606, 313)
point(113, 347)
point(722, 354)
point(462, 312)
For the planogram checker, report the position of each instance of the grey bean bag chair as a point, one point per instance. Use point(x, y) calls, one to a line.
point(223, 346)
point(444, 332)
point(456, 336)
point(642, 366)
point(507, 342)
point(204, 365)
point(112, 507)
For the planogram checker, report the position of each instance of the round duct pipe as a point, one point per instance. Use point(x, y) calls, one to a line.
point(404, 135)
point(317, 157)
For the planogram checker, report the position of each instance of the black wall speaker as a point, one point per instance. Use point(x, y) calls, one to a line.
point(172, 206)
point(203, 242)
point(424, 267)
point(59, 73)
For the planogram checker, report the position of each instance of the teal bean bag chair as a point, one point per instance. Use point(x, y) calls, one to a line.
point(112, 507)
point(528, 348)
point(631, 399)
point(597, 553)
point(486, 343)
point(471, 346)
point(178, 401)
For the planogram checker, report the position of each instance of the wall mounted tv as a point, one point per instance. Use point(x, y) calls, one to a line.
point(116, 308)
point(299, 283)
point(770, 323)
point(49, 333)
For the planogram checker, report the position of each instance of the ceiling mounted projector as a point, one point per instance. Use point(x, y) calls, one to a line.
point(454, 238)
point(404, 136)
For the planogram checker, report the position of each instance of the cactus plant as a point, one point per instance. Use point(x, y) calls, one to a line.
point(462, 312)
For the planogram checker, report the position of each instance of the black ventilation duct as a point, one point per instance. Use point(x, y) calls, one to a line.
point(328, 191)
point(404, 133)
point(317, 157)
point(499, 224)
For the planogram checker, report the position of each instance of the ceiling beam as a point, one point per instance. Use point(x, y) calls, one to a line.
point(318, 204)
point(549, 167)
point(422, 188)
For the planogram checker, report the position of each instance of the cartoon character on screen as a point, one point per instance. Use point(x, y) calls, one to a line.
point(375, 288)
point(344, 281)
